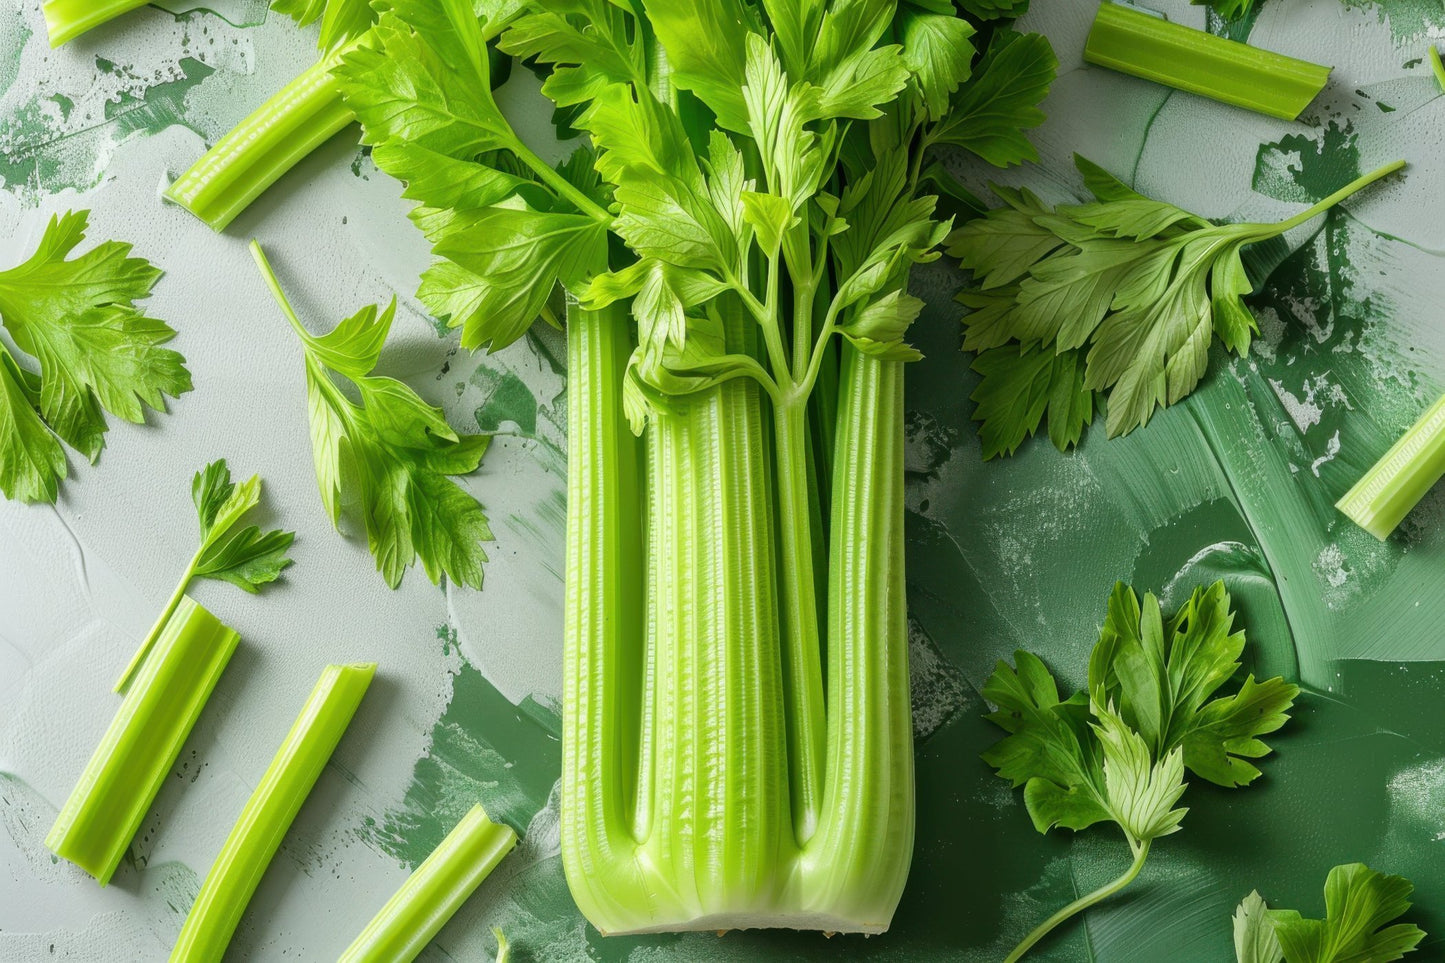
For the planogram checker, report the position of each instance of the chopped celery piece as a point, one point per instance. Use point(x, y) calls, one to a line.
point(246, 557)
point(67, 19)
point(274, 138)
point(1136, 43)
point(1384, 496)
point(121, 780)
point(267, 815)
point(432, 894)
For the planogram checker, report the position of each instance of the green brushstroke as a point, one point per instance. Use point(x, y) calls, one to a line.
point(482, 749)
point(507, 402)
point(1408, 19)
point(12, 48)
point(40, 155)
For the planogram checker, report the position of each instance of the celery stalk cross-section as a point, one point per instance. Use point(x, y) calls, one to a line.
point(1384, 496)
point(144, 739)
point(434, 892)
point(269, 812)
point(1137, 43)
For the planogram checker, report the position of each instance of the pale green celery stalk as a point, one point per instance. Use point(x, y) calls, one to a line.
point(856, 864)
point(707, 843)
point(1384, 496)
point(67, 19)
point(434, 892)
point(137, 752)
point(1142, 45)
point(274, 138)
point(268, 813)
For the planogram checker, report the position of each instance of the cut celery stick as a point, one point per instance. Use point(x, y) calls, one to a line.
point(274, 138)
point(1136, 43)
point(1384, 496)
point(67, 19)
point(268, 813)
point(138, 750)
point(432, 894)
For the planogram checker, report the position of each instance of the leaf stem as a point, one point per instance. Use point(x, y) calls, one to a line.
point(269, 276)
point(159, 627)
point(1141, 852)
point(1358, 184)
point(559, 183)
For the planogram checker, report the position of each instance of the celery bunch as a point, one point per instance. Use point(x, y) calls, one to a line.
point(737, 737)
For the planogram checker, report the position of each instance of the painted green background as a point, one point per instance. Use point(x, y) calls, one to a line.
point(1238, 483)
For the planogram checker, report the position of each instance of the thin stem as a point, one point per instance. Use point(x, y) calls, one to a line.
point(1141, 851)
point(559, 183)
point(269, 276)
point(1358, 184)
point(772, 330)
point(159, 627)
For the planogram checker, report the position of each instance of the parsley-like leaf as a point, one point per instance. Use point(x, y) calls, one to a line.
point(1140, 287)
point(95, 349)
point(1000, 102)
point(396, 449)
point(1119, 753)
point(247, 558)
point(1359, 902)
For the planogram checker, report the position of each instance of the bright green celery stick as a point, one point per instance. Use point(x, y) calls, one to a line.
point(1151, 47)
point(267, 815)
point(1437, 67)
point(710, 269)
point(67, 19)
point(434, 892)
point(247, 557)
point(1384, 496)
point(137, 752)
point(301, 117)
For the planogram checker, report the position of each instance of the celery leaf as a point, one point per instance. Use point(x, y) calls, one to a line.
point(395, 453)
point(247, 558)
point(991, 112)
point(1359, 903)
point(96, 351)
point(1119, 754)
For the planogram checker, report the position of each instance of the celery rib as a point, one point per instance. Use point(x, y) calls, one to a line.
point(434, 892)
point(288, 127)
point(604, 636)
point(1151, 47)
point(67, 19)
point(856, 865)
point(118, 785)
point(268, 814)
point(1386, 493)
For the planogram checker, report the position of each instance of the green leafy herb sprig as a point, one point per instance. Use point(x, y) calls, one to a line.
point(1118, 753)
point(1359, 903)
point(1120, 297)
point(96, 353)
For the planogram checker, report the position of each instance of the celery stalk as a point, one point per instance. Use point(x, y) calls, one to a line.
point(1437, 67)
point(267, 815)
point(434, 892)
point(1136, 43)
point(274, 138)
point(137, 752)
point(856, 864)
point(67, 19)
point(1384, 496)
